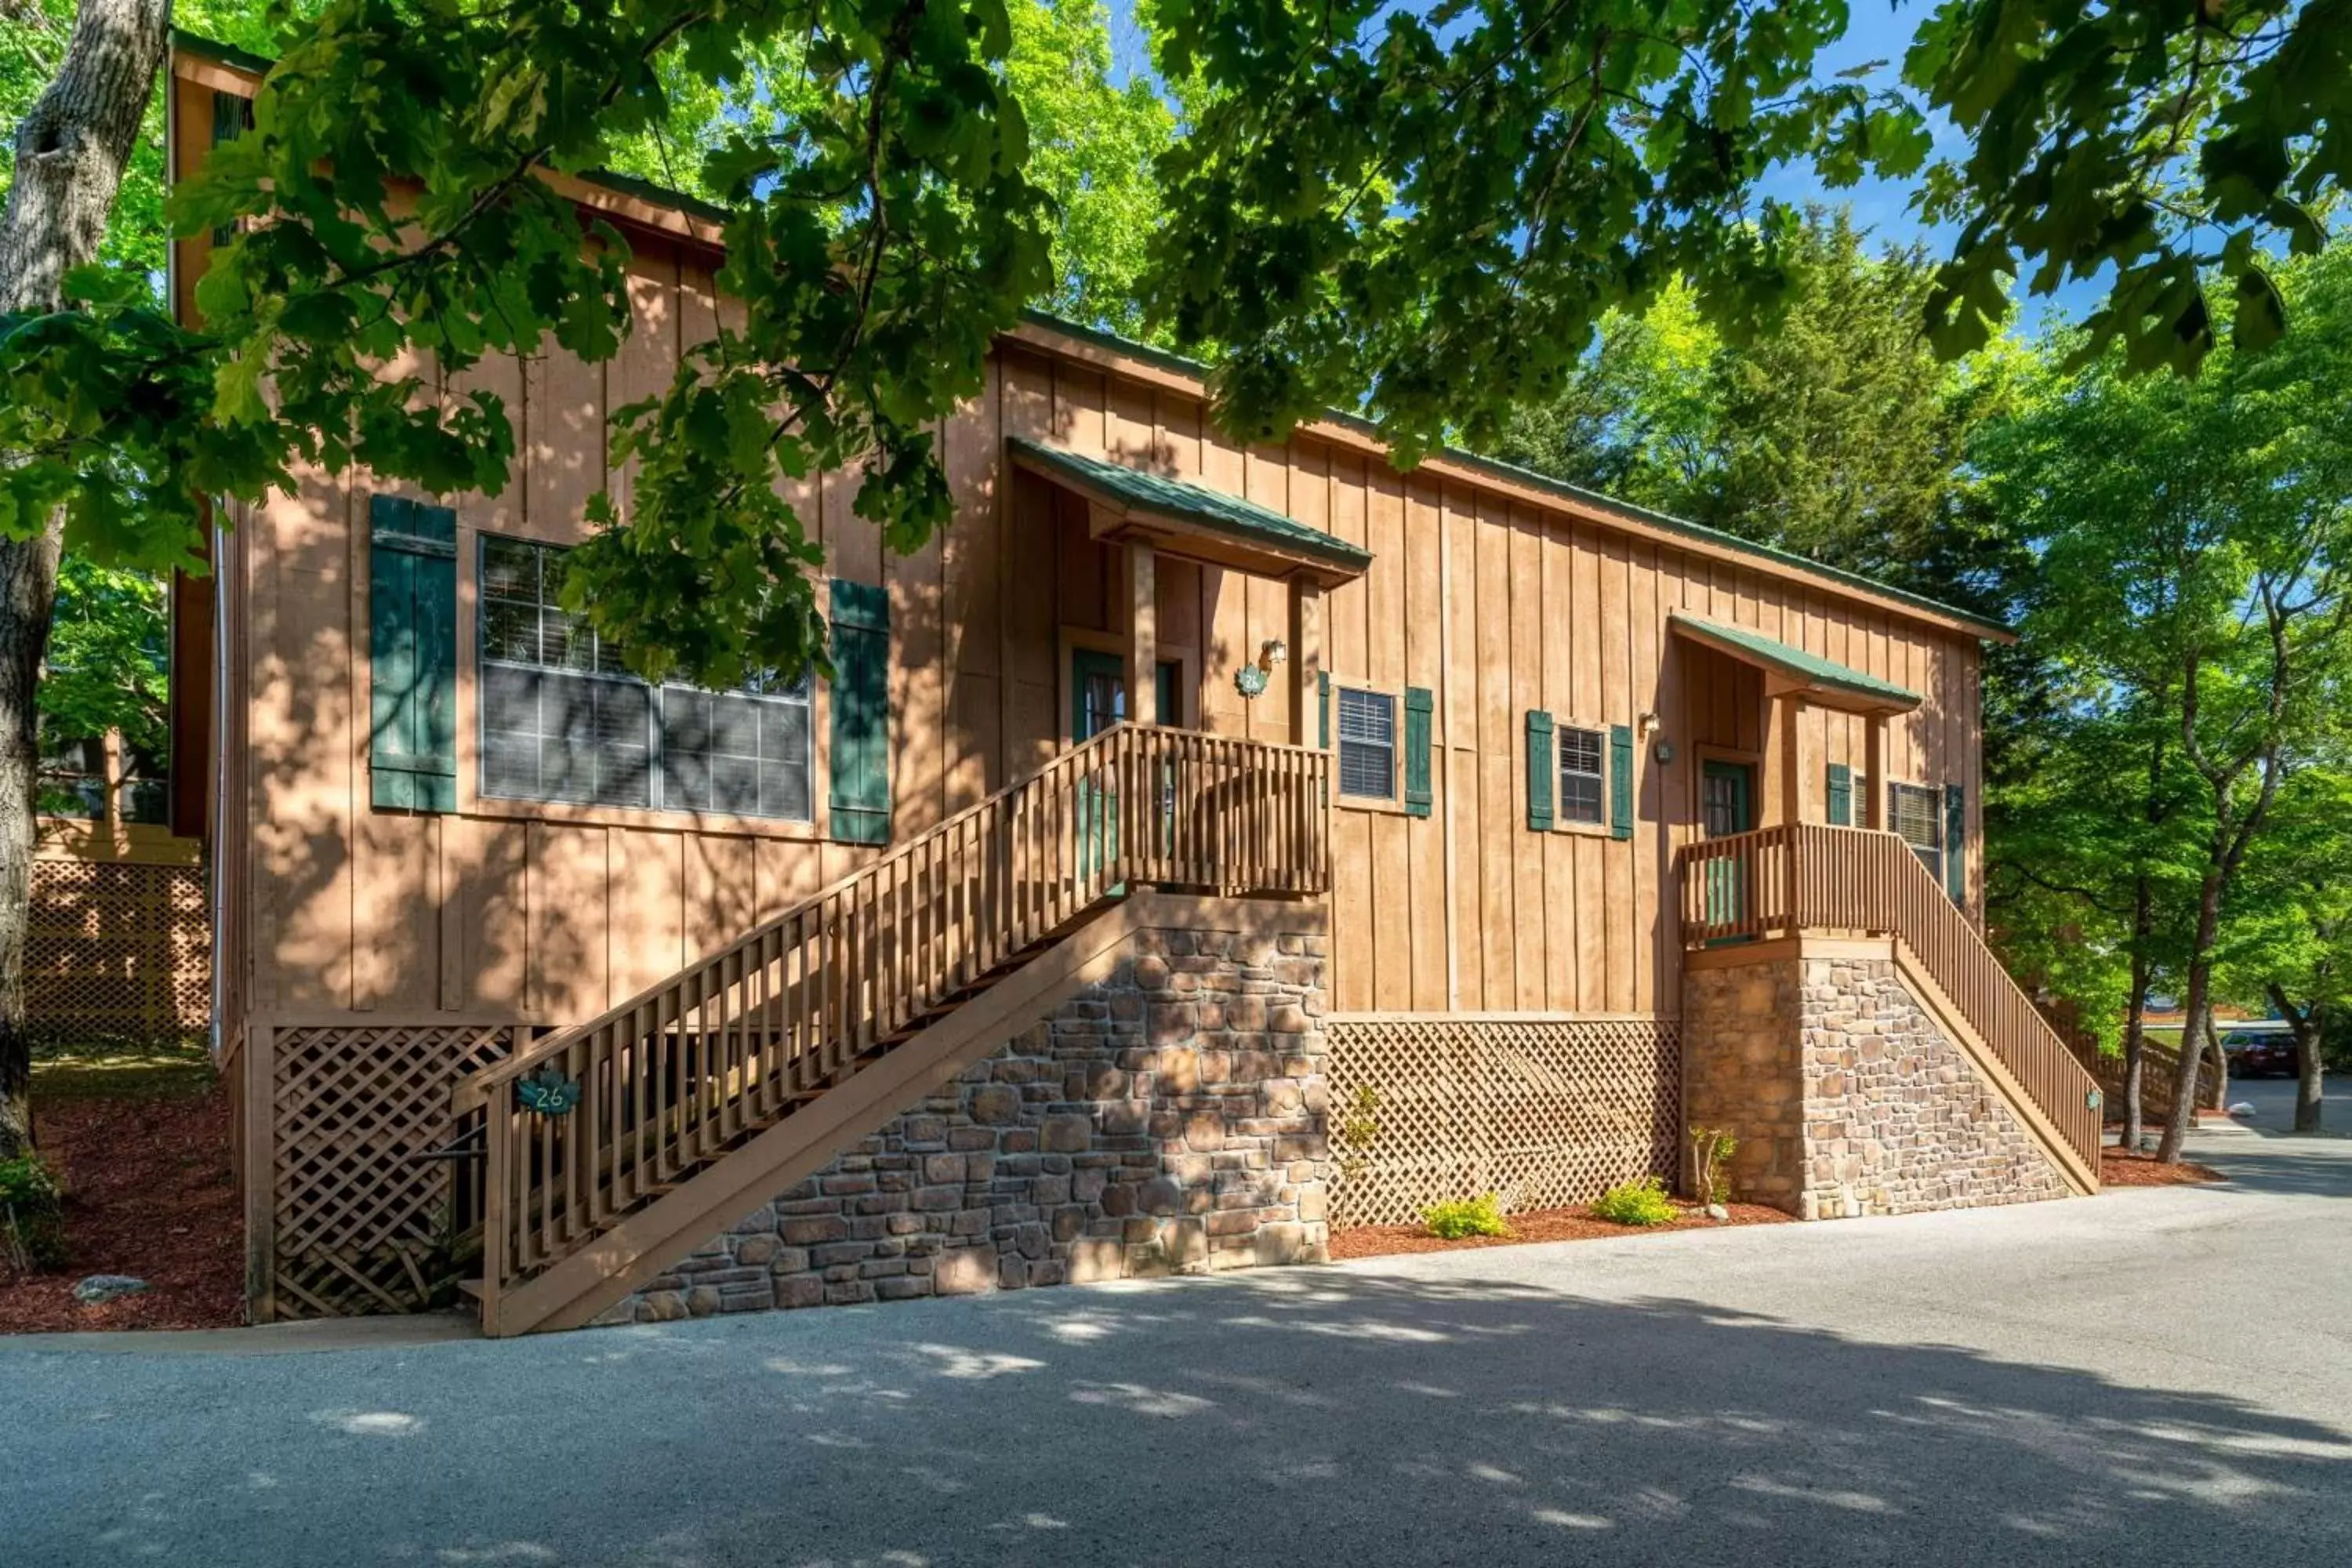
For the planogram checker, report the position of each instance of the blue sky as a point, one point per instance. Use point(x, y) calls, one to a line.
point(1880, 30)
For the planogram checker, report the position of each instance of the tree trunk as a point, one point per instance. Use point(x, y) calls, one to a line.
point(70, 149)
point(2136, 1021)
point(2198, 1022)
point(2307, 1024)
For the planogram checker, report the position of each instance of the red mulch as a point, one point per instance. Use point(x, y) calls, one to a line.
point(2119, 1169)
point(1536, 1225)
point(149, 1192)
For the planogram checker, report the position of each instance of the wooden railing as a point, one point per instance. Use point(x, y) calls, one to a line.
point(1809, 877)
point(669, 1081)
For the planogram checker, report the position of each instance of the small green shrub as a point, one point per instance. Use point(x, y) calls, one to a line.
point(32, 1215)
point(1637, 1202)
point(1711, 1151)
point(1481, 1215)
point(1359, 1130)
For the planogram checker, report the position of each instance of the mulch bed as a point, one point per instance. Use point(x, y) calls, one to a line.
point(1537, 1224)
point(2118, 1168)
point(150, 1192)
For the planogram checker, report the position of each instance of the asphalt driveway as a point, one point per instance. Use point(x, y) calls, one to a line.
point(2154, 1376)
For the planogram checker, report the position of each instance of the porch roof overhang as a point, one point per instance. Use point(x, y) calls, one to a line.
point(1192, 520)
point(1822, 681)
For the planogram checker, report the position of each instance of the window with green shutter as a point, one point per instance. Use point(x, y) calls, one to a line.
point(1582, 774)
point(563, 718)
point(1956, 839)
point(1418, 704)
point(1911, 812)
point(1621, 782)
point(860, 801)
point(1539, 776)
point(1323, 709)
point(412, 655)
point(1841, 795)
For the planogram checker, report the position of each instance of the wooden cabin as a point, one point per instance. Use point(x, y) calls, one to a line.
point(1199, 846)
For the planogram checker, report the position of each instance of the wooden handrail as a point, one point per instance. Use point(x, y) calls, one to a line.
point(670, 1080)
point(1813, 877)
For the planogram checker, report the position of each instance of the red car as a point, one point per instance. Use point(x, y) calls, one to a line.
point(2260, 1053)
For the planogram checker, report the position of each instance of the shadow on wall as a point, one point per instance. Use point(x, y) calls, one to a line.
point(1300, 1417)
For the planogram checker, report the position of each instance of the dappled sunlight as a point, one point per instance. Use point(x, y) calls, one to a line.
point(947, 1361)
point(1335, 1415)
point(504, 1552)
point(372, 1422)
point(1139, 1400)
point(1571, 1521)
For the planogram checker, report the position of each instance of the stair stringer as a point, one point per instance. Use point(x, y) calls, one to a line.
point(576, 1291)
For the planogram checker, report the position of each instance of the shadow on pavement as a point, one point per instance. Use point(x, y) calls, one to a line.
point(1301, 1416)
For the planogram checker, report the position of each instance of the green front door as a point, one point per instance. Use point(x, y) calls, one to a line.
point(1726, 805)
point(1098, 700)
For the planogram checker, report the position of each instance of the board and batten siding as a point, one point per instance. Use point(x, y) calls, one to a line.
point(514, 911)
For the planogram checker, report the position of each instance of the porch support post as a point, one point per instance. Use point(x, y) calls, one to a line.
point(1873, 769)
point(1784, 759)
point(1143, 636)
point(1305, 659)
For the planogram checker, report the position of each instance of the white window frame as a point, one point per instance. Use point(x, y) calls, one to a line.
point(1562, 731)
point(1930, 855)
point(1394, 796)
point(801, 694)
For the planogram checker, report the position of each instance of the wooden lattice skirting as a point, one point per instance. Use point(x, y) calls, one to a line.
point(354, 1221)
point(1544, 1110)
point(117, 953)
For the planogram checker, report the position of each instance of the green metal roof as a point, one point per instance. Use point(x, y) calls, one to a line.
point(1222, 513)
point(1184, 366)
point(1796, 663)
point(1544, 482)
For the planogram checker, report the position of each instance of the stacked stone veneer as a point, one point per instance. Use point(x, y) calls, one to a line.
point(1168, 1118)
point(1846, 1095)
point(1741, 1040)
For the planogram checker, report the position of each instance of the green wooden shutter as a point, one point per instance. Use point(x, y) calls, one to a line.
point(1955, 843)
point(1621, 782)
point(1417, 707)
point(860, 805)
point(1841, 797)
point(412, 654)
point(1539, 770)
point(1323, 709)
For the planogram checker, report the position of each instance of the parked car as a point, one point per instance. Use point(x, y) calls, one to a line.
point(2260, 1053)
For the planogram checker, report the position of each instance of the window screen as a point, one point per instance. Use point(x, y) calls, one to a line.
point(1366, 745)
point(563, 721)
point(1913, 811)
point(1582, 758)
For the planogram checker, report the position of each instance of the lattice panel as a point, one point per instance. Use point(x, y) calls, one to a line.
point(362, 1224)
point(1543, 1111)
point(117, 953)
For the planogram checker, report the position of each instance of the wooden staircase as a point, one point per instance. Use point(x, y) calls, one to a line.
point(1810, 878)
point(611, 1149)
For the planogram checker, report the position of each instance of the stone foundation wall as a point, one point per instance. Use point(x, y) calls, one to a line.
point(1170, 1119)
point(1844, 1094)
point(1739, 1071)
point(1896, 1118)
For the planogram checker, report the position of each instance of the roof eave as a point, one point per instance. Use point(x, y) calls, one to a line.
point(1791, 669)
point(1329, 565)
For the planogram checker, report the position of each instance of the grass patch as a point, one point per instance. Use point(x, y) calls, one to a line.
point(116, 1072)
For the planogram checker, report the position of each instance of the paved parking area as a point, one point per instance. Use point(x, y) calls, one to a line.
point(2162, 1375)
